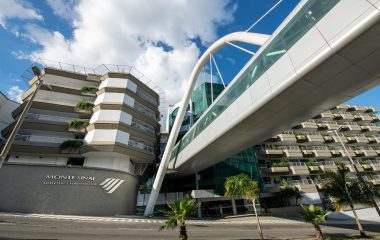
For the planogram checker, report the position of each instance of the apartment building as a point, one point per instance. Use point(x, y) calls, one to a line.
point(81, 122)
point(301, 154)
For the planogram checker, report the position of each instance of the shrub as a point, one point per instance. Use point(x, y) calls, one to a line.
point(279, 164)
point(84, 105)
point(88, 89)
point(299, 133)
point(363, 162)
point(325, 134)
point(311, 164)
point(71, 144)
point(78, 123)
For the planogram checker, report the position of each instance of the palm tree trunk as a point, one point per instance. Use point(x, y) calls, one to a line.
point(318, 232)
point(258, 221)
point(182, 232)
point(351, 204)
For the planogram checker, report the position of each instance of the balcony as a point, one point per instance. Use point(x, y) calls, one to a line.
point(328, 166)
point(142, 145)
point(320, 183)
point(272, 188)
point(272, 152)
point(329, 139)
point(287, 137)
point(294, 152)
point(322, 153)
point(337, 152)
point(375, 119)
point(299, 168)
point(369, 152)
point(370, 110)
point(351, 167)
point(343, 116)
point(375, 165)
point(328, 125)
point(306, 186)
point(363, 118)
point(307, 125)
point(146, 97)
point(313, 166)
point(307, 153)
point(49, 118)
point(351, 127)
point(327, 115)
point(373, 139)
point(357, 109)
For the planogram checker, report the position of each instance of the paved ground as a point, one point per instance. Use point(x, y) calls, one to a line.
point(35, 226)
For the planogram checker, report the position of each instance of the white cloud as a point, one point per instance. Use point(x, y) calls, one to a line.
point(135, 33)
point(63, 8)
point(16, 9)
point(14, 93)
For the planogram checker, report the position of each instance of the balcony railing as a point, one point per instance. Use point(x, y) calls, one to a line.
point(134, 142)
point(146, 96)
point(50, 117)
point(144, 110)
point(142, 127)
point(39, 138)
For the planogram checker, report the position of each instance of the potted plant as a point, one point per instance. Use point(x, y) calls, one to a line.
point(70, 146)
point(78, 125)
point(89, 90)
point(84, 107)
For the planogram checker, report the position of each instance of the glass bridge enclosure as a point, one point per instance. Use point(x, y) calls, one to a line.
point(297, 27)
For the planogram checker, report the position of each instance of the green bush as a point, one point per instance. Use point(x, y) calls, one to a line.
point(325, 134)
point(299, 133)
point(279, 164)
point(78, 123)
point(88, 89)
point(84, 105)
point(363, 162)
point(71, 144)
point(311, 164)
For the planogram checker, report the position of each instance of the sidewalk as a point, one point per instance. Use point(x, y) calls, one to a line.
point(239, 219)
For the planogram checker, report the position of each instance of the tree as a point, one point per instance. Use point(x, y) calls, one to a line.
point(242, 185)
point(288, 192)
point(178, 213)
point(315, 215)
point(341, 190)
point(144, 189)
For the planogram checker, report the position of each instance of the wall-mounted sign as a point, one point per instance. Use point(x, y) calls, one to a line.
point(109, 185)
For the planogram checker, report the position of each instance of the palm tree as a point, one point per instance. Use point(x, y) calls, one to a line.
point(178, 213)
point(340, 188)
point(315, 215)
point(288, 192)
point(243, 186)
point(144, 189)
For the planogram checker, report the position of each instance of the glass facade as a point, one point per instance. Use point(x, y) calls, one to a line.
point(302, 22)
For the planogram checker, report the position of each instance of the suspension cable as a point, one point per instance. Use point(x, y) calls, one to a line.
point(263, 16)
point(238, 47)
point(217, 69)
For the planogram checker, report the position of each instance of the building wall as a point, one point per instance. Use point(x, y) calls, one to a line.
point(43, 189)
point(6, 108)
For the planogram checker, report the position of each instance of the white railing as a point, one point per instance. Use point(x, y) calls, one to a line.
point(297, 164)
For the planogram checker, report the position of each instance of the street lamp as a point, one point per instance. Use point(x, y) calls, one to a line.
point(20, 120)
point(360, 178)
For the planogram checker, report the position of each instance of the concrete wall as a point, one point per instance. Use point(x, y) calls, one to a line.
point(66, 190)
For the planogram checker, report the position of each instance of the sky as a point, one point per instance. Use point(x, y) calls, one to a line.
point(163, 39)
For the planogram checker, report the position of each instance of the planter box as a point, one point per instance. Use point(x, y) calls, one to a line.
point(299, 170)
point(279, 169)
point(314, 168)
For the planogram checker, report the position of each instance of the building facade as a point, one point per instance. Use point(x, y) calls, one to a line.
point(7, 106)
point(300, 155)
point(84, 123)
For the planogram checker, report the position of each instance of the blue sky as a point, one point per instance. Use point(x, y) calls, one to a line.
point(163, 39)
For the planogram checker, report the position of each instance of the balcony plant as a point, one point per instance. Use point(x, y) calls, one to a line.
point(70, 145)
point(325, 134)
point(88, 90)
point(78, 125)
point(312, 164)
point(279, 164)
point(299, 133)
point(363, 161)
point(84, 106)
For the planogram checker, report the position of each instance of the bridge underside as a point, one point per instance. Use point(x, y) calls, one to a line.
point(289, 93)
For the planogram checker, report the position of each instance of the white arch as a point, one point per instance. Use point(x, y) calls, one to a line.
point(246, 37)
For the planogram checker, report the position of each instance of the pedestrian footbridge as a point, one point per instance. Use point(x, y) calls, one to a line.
point(324, 53)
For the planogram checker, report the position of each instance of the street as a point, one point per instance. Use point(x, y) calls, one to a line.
point(17, 227)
